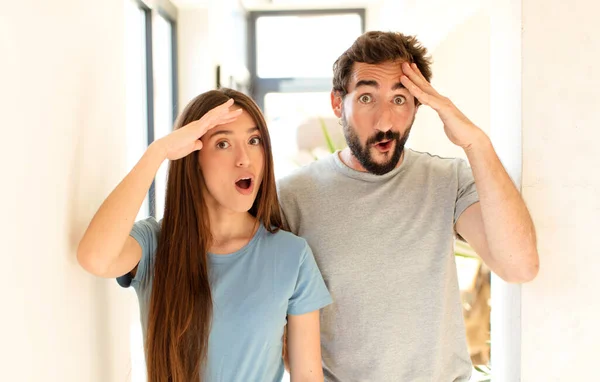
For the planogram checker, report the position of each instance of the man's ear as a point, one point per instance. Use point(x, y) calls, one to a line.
point(336, 103)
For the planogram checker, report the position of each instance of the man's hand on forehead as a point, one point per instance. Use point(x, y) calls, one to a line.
point(459, 129)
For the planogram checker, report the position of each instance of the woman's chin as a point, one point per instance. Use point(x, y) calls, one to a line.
point(241, 206)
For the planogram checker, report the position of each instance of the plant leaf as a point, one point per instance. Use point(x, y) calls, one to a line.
point(328, 140)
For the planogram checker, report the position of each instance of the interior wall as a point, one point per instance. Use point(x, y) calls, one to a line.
point(62, 116)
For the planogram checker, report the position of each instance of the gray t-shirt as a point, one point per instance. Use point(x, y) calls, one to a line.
point(384, 245)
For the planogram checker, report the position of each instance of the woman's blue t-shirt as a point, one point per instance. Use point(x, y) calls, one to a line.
point(253, 291)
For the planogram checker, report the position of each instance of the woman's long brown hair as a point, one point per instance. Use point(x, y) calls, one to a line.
point(180, 313)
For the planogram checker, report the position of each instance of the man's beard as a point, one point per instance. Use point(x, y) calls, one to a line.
point(363, 153)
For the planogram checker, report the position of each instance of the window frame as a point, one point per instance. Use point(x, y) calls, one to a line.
point(166, 10)
point(259, 87)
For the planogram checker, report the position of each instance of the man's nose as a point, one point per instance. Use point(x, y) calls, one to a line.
point(384, 122)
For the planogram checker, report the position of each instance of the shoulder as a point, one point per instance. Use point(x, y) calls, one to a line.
point(435, 163)
point(285, 242)
point(146, 231)
point(149, 223)
point(305, 177)
point(288, 240)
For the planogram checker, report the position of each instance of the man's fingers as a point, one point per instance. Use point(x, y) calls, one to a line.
point(415, 90)
point(420, 88)
point(413, 72)
point(415, 68)
point(413, 76)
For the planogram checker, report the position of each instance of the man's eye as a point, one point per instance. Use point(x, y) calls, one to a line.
point(255, 141)
point(223, 145)
point(365, 98)
point(399, 100)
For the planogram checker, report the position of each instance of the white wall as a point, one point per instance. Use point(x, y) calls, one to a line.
point(461, 72)
point(196, 68)
point(210, 34)
point(456, 34)
point(62, 117)
point(561, 185)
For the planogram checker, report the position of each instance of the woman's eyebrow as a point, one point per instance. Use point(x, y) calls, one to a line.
point(230, 132)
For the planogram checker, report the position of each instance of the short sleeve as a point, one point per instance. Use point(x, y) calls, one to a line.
point(288, 206)
point(145, 232)
point(310, 293)
point(466, 193)
point(284, 220)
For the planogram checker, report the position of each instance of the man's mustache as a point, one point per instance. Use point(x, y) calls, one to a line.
point(383, 136)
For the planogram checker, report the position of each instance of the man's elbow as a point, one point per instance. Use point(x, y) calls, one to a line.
point(523, 272)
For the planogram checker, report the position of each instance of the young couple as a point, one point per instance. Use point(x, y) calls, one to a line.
point(218, 279)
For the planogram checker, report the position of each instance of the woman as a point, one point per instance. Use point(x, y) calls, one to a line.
point(217, 279)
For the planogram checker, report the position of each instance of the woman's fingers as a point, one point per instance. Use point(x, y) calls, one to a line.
point(188, 136)
point(222, 117)
point(218, 111)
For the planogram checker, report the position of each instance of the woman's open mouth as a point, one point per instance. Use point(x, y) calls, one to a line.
point(244, 186)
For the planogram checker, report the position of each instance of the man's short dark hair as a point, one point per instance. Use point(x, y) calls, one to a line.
point(376, 48)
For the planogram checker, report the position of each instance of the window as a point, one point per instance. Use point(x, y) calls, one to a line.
point(308, 39)
point(291, 58)
point(137, 63)
point(151, 89)
point(165, 96)
point(293, 51)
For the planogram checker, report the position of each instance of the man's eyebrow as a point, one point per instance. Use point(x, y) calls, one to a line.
point(367, 83)
point(375, 84)
point(229, 132)
point(398, 86)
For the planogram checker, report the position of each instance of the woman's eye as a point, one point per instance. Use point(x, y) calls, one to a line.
point(365, 98)
point(255, 141)
point(223, 145)
point(399, 100)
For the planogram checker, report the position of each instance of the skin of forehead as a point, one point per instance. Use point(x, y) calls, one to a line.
point(391, 71)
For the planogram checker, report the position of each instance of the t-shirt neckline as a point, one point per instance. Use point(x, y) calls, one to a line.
point(342, 168)
point(218, 258)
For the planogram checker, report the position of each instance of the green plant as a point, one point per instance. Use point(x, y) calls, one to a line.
point(485, 371)
point(328, 139)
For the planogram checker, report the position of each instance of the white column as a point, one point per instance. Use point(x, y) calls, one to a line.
point(505, 132)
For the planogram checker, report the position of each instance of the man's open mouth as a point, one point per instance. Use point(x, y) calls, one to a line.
point(384, 145)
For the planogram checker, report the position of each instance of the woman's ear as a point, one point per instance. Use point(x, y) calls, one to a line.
point(336, 103)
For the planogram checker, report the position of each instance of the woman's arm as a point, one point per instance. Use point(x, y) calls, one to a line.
point(304, 347)
point(106, 249)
